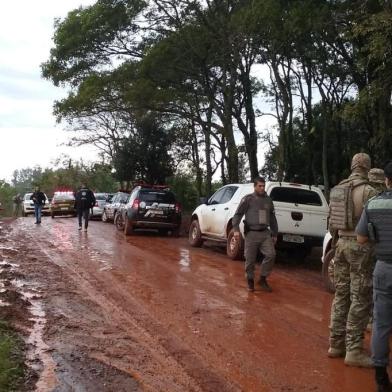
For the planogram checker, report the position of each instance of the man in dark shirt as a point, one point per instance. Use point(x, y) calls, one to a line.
point(376, 224)
point(84, 200)
point(39, 200)
point(260, 230)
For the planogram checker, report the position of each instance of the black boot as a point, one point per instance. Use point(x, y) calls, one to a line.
point(251, 285)
point(382, 379)
point(264, 284)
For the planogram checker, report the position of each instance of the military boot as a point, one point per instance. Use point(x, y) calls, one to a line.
point(382, 379)
point(264, 284)
point(336, 352)
point(251, 285)
point(358, 358)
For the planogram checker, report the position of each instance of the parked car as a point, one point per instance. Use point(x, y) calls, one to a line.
point(111, 207)
point(63, 203)
point(150, 207)
point(301, 212)
point(100, 201)
point(28, 205)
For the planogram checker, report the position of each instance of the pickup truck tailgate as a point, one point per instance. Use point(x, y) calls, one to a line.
point(298, 220)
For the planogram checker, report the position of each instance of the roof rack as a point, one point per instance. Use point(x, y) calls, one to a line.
point(143, 184)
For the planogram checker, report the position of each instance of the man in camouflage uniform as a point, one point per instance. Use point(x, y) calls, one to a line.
point(260, 230)
point(353, 267)
point(377, 179)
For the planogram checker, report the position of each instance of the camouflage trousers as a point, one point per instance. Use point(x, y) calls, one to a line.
point(353, 271)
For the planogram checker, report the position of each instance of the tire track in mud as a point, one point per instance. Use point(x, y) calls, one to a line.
point(185, 323)
point(168, 358)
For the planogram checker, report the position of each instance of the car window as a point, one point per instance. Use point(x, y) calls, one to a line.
point(154, 196)
point(27, 196)
point(296, 196)
point(100, 196)
point(216, 198)
point(123, 197)
point(115, 198)
point(64, 196)
point(229, 193)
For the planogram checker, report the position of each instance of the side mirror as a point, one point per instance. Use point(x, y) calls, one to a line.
point(203, 200)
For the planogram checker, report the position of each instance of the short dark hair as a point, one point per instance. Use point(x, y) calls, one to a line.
point(258, 179)
point(388, 170)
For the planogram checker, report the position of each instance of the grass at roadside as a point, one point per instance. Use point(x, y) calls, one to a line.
point(12, 366)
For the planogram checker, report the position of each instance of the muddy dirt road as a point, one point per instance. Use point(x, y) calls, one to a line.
point(149, 313)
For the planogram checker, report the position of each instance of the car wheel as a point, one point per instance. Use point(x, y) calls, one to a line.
point(119, 222)
point(162, 231)
point(328, 271)
point(104, 217)
point(128, 228)
point(24, 214)
point(195, 238)
point(52, 215)
point(234, 247)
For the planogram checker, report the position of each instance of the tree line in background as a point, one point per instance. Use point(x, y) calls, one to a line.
point(67, 174)
point(163, 86)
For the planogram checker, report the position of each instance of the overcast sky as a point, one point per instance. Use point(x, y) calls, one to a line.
point(29, 135)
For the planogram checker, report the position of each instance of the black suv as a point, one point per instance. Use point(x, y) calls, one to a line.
point(150, 207)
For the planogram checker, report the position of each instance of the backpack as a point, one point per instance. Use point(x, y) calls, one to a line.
point(341, 205)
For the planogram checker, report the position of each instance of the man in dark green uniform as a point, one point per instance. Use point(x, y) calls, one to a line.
point(260, 230)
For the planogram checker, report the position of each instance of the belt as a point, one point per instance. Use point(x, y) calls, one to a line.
point(257, 230)
point(348, 237)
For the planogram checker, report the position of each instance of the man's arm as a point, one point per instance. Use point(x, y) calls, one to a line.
point(362, 230)
point(241, 209)
point(273, 224)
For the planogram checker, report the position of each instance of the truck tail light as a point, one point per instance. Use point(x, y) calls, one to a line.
point(135, 204)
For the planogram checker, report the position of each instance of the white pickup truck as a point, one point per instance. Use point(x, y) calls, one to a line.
point(301, 212)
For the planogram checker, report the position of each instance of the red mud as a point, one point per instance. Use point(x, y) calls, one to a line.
point(149, 313)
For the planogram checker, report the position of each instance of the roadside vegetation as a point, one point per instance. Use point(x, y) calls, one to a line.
point(12, 367)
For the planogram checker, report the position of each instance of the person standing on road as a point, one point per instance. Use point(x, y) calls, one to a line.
point(377, 179)
point(376, 224)
point(84, 201)
point(260, 231)
point(17, 201)
point(353, 266)
point(39, 200)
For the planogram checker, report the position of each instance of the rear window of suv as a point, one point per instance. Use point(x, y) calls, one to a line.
point(64, 196)
point(157, 196)
point(296, 196)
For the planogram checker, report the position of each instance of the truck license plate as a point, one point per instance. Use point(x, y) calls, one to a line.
point(299, 239)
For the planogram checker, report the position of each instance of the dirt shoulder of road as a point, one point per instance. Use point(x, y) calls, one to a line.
point(48, 354)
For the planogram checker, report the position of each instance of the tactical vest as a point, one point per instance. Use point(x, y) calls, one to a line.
point(379, 212)
point(341, 205)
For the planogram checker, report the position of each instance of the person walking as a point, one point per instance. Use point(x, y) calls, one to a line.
point(17, 201)
point(353, 266)
point(260, 231)
point(376, 225)
point(84, 201)
point(39, 200)
point(377, 179)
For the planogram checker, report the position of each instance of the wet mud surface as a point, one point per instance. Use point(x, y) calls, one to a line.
point(105, 312)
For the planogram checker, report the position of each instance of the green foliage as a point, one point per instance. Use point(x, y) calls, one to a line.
point(184, 187)
point(12, 366)
point(190, 66)
point(145, 154)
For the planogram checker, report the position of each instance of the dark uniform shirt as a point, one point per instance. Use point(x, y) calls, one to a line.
point(84, 199)
point(378, 213)
point(259, 213)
